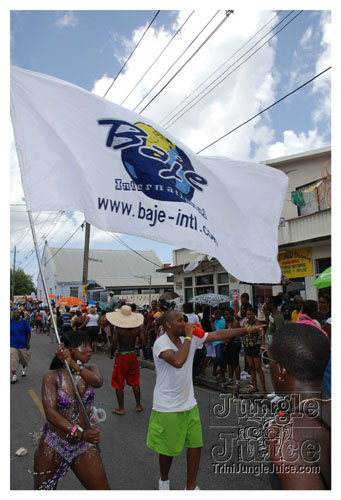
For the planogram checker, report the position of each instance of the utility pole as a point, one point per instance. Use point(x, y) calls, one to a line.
point(13, 273)
point(86, 262)
point(149, 279)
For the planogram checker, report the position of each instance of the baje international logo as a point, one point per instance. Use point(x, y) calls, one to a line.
point(157, 167)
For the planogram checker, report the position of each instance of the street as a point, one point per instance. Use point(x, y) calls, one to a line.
point(129, 464)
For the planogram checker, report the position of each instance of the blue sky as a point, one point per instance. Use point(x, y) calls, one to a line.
point(88, 48)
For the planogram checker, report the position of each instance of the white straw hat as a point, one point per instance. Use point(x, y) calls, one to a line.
point(125, 318)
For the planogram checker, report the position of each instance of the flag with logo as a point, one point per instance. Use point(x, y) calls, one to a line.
point(80, 152)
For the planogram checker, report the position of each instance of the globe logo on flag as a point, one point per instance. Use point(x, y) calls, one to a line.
point(159, 168)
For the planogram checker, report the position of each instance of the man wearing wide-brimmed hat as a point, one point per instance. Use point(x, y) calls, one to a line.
point(127, 328)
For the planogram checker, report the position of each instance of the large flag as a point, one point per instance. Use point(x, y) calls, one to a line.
point(80, 152)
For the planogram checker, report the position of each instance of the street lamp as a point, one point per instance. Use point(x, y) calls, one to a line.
point(148, 278)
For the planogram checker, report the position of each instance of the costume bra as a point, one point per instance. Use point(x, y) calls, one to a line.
point(65, 400)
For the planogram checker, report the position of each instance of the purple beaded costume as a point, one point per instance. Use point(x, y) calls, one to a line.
point(68, 452)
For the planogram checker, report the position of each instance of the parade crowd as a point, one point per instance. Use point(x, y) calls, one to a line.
point(290, 338)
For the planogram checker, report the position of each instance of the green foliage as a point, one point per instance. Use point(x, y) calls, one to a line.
point(23, 284)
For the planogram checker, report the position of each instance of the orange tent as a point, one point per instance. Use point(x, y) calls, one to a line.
point(70, 301)
point(51, 296)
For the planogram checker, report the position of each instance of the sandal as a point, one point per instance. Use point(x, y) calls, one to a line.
point(254, 389)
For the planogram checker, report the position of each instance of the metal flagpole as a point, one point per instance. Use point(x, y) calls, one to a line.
point(54, 321)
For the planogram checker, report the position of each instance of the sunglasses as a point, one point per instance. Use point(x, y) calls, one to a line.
point(264, 356)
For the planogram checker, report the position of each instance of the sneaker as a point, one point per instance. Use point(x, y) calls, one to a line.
point(23, 373)
point(271, 395)
point(164, 485)
point(14, 379)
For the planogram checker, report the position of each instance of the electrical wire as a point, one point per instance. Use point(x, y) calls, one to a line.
point(188, 60)
point(271, 105)
point(138, 43)
point(182, 53)
point(221, 81)
point(59, 249)
point(164, 120)
point(158, 57)
point(131, 249)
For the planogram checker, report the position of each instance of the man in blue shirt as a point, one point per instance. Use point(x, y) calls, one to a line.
point(20, 344)
point(220, 324)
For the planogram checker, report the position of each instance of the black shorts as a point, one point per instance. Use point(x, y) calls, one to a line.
point(253, 352)
point(92, 331)
point(232, 353)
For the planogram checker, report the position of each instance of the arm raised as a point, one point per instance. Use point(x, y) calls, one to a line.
point(231, 333)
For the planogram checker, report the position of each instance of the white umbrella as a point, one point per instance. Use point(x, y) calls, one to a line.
point(211, 299)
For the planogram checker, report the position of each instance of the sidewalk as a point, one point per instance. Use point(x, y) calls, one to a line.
point(209, 381)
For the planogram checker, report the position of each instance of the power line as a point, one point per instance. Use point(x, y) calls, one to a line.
point(131, 249)
point(172, 120)
point(182, 53)
point(138, 43)
point(226, 61)
point(158, 57)
point(271, 105)
point(59, 249)
point(228, 13)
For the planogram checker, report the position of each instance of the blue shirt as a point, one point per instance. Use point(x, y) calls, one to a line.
point(219, 325)
point(19, 331)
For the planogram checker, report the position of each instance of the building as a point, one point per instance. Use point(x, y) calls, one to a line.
point(131, 276)
point(304, 238)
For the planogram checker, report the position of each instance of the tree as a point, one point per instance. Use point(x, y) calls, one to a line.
point(23, 284)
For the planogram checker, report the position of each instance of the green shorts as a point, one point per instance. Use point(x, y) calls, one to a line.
point(170, 432)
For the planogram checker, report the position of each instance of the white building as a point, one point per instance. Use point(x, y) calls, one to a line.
point(130, 276)
point(304, 237)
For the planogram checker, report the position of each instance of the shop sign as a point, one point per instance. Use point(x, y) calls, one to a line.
point(296, 263)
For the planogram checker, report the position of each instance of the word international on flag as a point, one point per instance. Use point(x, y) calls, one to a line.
point(80, 152)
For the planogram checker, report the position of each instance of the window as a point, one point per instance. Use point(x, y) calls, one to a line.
point(224, 290)
point(73, 291)
point(96, 296)
point(205, 280)
point(188, 294)
point(188, 281)
point(204, 289)
point(223, 278)
point(316, 195)
point(322, 264)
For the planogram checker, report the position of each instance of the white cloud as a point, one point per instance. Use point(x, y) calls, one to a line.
point(230, 103)
point(67, 20)
point(292, 143)
point(321, 85)
point(306, 36)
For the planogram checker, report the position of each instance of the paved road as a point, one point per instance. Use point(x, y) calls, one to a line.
point(130, 465)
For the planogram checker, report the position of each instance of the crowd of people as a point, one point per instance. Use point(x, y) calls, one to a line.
point(181, 341)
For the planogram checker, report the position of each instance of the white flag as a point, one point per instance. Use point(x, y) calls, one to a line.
point(80, 152)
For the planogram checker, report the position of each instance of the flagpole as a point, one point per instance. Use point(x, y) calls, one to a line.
point(54, 321)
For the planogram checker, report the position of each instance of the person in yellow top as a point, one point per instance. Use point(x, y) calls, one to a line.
point(298, 304)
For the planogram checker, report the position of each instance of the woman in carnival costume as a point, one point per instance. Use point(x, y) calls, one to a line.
point(66, 441)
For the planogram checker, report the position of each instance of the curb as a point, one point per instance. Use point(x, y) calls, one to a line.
point(208, 384)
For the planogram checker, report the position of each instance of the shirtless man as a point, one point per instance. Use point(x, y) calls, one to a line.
point(127, 328)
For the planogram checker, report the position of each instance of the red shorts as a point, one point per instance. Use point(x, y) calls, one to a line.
point(126, 368)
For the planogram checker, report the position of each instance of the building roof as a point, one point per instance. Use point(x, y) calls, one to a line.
point(109, 268)
point(297, 156)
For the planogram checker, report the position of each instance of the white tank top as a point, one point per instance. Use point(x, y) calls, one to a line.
point(93, 320)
